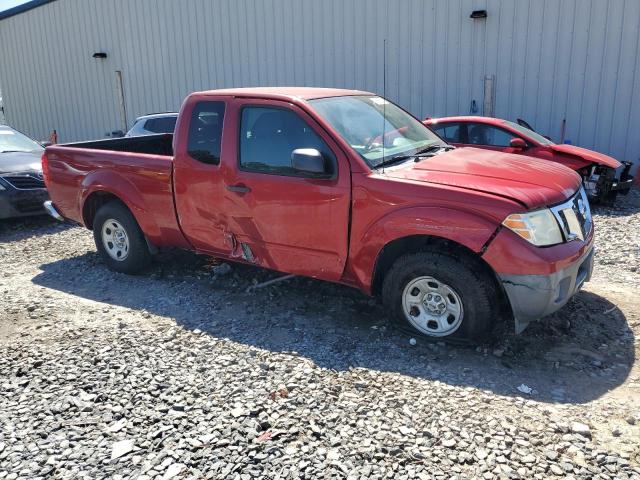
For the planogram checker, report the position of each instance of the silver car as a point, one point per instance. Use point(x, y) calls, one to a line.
point(153, 124)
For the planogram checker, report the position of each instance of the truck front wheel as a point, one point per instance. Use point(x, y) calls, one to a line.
point(119, 239)
point(442, 296)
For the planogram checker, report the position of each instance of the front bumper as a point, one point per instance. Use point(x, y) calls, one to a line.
point(622, 186)
point(535, 296)
point(626, 180)
point(603, 183)
point(22, 203)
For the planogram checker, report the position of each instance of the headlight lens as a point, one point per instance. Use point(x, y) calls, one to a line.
point(539, 227)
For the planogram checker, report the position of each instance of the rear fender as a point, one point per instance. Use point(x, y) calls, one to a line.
point(467, 229)
point(126, 191)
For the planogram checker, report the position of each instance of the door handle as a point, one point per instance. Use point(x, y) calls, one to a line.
point(240, 188)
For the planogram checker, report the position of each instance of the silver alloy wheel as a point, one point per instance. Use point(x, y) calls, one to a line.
point(432, 307)
point(115, 239)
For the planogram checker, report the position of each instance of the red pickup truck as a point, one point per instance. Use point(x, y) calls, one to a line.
point(299, 180)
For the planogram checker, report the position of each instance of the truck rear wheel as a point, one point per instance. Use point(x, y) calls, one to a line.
point(439, 296)
point(119, 239)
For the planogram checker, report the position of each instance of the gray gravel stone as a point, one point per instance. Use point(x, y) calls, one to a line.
point(120, 448)
point(581, 429)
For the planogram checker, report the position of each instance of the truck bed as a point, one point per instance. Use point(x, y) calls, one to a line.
point(151, 144)
point(136, 170)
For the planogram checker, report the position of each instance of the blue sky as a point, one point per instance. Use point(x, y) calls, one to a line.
point(6, 4)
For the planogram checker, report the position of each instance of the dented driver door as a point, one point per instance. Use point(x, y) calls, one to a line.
point(281, 218)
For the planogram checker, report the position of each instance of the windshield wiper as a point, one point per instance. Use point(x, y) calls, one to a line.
point(12, 151)
point(432, 149)
point(393, 160)
point(415, 155)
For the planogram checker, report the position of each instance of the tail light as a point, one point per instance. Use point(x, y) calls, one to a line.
point(45, 169)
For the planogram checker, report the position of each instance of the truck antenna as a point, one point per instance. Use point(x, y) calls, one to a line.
point(384, 95)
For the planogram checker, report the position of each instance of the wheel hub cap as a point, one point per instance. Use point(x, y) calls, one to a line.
point(434, 304)
point(120, 238)
point(115, 240)
point(432, 307)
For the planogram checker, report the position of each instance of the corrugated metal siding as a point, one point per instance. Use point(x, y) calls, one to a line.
point(552, 59)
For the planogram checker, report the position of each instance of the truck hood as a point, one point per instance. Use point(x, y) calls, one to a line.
point(531, 182)
point(12, 162)
point(588, 155)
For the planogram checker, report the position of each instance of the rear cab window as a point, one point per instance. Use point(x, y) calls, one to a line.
point(205, 132)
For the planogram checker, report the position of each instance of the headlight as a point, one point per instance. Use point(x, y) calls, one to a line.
point(539, 227)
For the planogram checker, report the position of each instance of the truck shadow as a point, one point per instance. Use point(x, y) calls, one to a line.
point(575, 356)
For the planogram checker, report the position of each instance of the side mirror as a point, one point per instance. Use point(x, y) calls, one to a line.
point(308, 160)
point(518, 143)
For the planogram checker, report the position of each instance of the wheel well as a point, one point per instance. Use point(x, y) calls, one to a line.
point(93, 203)
point(421, 243)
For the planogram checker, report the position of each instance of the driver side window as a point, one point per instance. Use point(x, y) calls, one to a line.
point(482, 134)
point(268, 137)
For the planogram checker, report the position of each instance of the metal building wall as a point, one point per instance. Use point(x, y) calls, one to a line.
point(552, 59)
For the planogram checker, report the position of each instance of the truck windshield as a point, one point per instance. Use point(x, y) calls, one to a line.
point(364, 121)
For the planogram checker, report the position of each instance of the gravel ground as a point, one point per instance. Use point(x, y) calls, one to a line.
point(618, 246)
point(180, 373)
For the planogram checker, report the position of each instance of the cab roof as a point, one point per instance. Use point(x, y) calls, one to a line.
point(285, 93)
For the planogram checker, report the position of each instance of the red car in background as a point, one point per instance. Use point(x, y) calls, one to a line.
point(598, 171)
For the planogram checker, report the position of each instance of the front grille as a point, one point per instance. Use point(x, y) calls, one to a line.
point(29, 205)
point(24, 181)
point(574, 216)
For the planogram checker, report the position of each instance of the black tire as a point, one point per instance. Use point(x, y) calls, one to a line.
point(137, 256)
point(481, 303)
